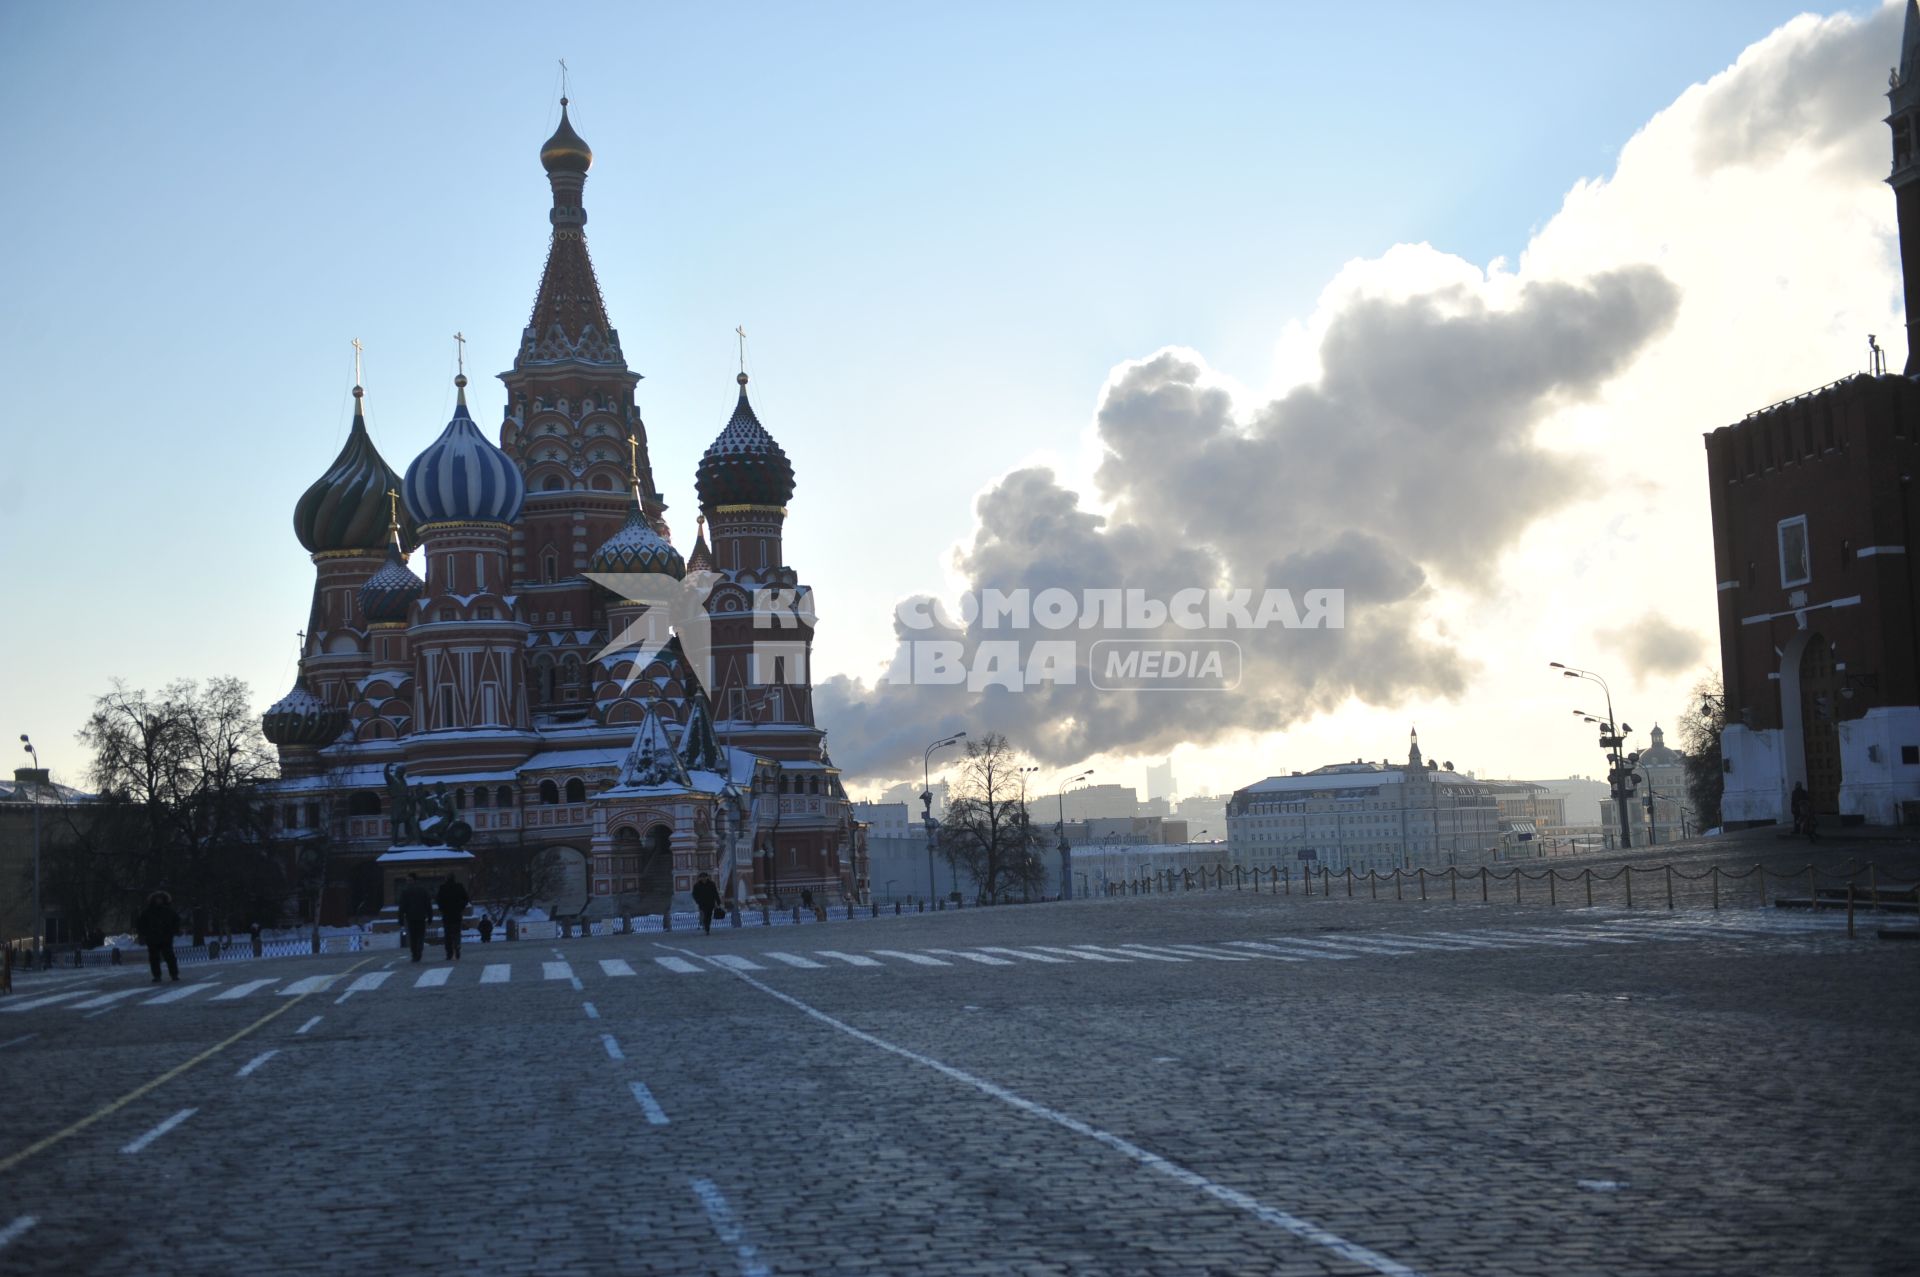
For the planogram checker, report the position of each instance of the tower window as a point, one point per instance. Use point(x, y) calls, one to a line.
point(503, 797)
point(553, 483)
point(576, 791)
point(1795, 564)
point(549, 793)
point(550, 571)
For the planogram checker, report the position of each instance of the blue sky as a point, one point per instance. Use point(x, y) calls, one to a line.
point(941, 227)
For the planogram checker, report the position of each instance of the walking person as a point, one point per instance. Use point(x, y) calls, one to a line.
point(707, 897)
point(452, 899)
point(157, 925)
point(1802, 806)
point(416, 906)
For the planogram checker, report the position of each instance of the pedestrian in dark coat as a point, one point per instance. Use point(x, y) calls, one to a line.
point(416, 906)
point(707, 897)
point(157, 925)
point(486, 928)
point(452, 899)
point(1802, 806)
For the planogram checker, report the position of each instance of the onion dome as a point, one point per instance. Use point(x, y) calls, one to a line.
point(701, 560)
point(463, 478)
point(390, 592)
point(301, 718)
point(638, 546)
point(346, 508)
point(565, 151)
point(744, 466)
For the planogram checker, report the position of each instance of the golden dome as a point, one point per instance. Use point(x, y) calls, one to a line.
point(565, 151)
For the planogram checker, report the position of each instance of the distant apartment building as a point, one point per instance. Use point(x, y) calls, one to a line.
point(888, 820)
point(1365, 815)
point(1160, 781)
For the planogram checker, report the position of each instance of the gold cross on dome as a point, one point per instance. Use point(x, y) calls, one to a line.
point(393, 509)
point(357, 349)
point(741, 332)
point(633, 456)
point(460, 348)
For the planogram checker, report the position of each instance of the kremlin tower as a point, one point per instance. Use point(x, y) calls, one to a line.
point(603, 741)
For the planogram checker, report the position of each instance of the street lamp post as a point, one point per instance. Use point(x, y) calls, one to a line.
point(1611, 741)
point(39, 929)
point(926, 803)
point(1066, 849)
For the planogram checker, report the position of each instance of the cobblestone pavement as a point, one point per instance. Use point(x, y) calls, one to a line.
point(1220, 1083)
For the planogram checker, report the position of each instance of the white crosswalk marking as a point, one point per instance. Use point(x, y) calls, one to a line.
point(556, 970)
point(239, 991)
point(615, 966)
point(985, 960)
point(312, 984)
point(735, 962)
point(1356, 944)
point(1021, 953)
point(181, 991)
point(1084, 957)
point(31, 1003)
point(1187, 951)
point(851, 959)
point(679, 964)
point(1318, 948)
point(918, 959)
point(1133, 953)
point(1428, 941)
point(496, 973)
point(792, 959)
point(370, 981)
point(433, 979)
point(105, 999)
point(1269, 952)
point(1584, 937)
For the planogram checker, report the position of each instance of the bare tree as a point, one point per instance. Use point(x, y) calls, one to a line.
point(1700, 729)
point(508, 879)
point(986, 830)
point(178, 776)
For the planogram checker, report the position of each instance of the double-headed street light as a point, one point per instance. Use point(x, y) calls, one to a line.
point(39, 930)
point(1610, 740)
point(926, 802)
point(1066, 848)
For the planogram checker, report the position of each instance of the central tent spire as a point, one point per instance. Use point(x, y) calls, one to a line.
point(569, 318)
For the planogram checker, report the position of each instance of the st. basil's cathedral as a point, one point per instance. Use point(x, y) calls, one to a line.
point(491, 694)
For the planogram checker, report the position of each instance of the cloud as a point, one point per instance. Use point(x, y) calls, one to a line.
point(1655, 646)
point(1494, 463)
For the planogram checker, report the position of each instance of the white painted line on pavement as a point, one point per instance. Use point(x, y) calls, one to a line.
point(613, 1048)
point(159, 1130)
point(365, 984)
point(615, 966)
point(1351, 947)
point(918, 959)
point(1273, 952)
point(308, 1025)
point(257, 1061)
point(651, 1106)
point(182, 991)
point(734, 962)
point(1084, 957)
point(728, 1227)
point(985, 960)
point(1022, 953)
point(1132, 953)
point(1427, 941)
point(1186, 951)
point(561, 971)
point(1306, 948)
point(433, 979)
point(681, 965)
point(17, 1229)
point(48, 1000)
point(24, 1037)
point(1585, 937)
point(1303, 1229)
point(312, 984)
point(240, 990)
point(794, 960)
point(851, 959)
point(496, 973)
point(106, 999)
point(593, 1012)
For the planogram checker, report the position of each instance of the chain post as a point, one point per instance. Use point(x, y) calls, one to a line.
point(1396, 884)
point(1483, 884)
point(1373, 883)
point(1715, 871)
point(1669, 885)
point(1349, 882)
point(1516, 884)
point(1873, 884)
point(1629, 877)
point(1849, 910)
point(1453, 884)
point(1813, 892)
point(1587, 874)
point(1552, 899)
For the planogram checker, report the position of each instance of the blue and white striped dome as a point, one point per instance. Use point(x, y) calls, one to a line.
point(461, 477)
